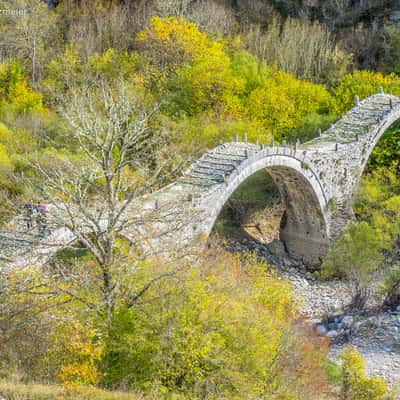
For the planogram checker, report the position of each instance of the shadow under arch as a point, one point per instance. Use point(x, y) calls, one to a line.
point(305, 227)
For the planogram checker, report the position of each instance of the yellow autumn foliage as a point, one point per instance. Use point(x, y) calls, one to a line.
point(78, 351)
point(222, 329)
point(171, 42)
point(363, 84)
point(15, 91)
point(282, 101)
point(355, 385)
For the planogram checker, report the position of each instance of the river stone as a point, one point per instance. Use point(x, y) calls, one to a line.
point(332, 334)
point(347, 321)
point(332, 326)
point(321, 330)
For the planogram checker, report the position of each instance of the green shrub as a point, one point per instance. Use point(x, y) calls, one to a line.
point(309, 125)
point(355, 256)
point(332, 204)
point(333, 371)
point(355, 385)
point(224, 331)
point(387, 151)
point(305, 165)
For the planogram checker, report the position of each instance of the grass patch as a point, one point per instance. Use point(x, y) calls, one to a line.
point(333, 371)
point(13, 391)
point(332, 204)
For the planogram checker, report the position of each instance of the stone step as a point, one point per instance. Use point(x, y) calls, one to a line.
point(220, 161)
point(226, 157)
point(203, 186)
point(238, 155)
point(205, 169)
point(218, 164)
point(373, 112)
point(215, 164)
point(199, 181)
point(355, 127)
point(210, 176)
point(354, 124)
point(378, 103)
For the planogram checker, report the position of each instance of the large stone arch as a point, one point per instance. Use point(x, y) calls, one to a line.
point(305, 228)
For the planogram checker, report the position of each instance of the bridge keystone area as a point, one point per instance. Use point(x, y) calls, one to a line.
point(317, 181)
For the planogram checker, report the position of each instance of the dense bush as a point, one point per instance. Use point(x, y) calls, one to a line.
point(355, 256)
point(203, 79)
point(368, 252)
point(386, 153)
point(222, 328)
point(378, 203)
point(220, 331)
point(363, 84)
point(15, 91)
point(355, 385)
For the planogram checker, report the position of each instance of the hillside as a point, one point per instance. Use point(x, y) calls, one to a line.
point(199, 199)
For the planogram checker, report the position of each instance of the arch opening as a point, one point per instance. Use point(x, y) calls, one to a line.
point(291, 208)
point(385, 149)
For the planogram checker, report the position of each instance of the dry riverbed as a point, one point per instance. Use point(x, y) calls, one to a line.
point(376, 337)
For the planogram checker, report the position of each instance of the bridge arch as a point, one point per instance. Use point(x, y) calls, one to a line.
point(305, 228)
point(388, 120)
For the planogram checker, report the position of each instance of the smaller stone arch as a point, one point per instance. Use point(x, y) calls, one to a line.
point(372, 139)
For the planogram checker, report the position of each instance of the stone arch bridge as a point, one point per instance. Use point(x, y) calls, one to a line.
point(316, 180)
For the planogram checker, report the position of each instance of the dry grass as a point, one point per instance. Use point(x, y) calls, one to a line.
point(11, 391)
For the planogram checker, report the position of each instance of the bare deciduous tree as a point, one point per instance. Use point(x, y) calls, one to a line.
point(28, 31)
point(213, 18)
point(303, 48)
point(98, 26)
point(172, 7)
point(121, 155)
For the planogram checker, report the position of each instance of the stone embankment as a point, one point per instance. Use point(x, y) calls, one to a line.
point(376, 337)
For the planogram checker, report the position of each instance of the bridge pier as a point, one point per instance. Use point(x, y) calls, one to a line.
point(307, 247)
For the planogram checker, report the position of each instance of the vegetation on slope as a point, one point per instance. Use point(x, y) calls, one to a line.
point(174, 79)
